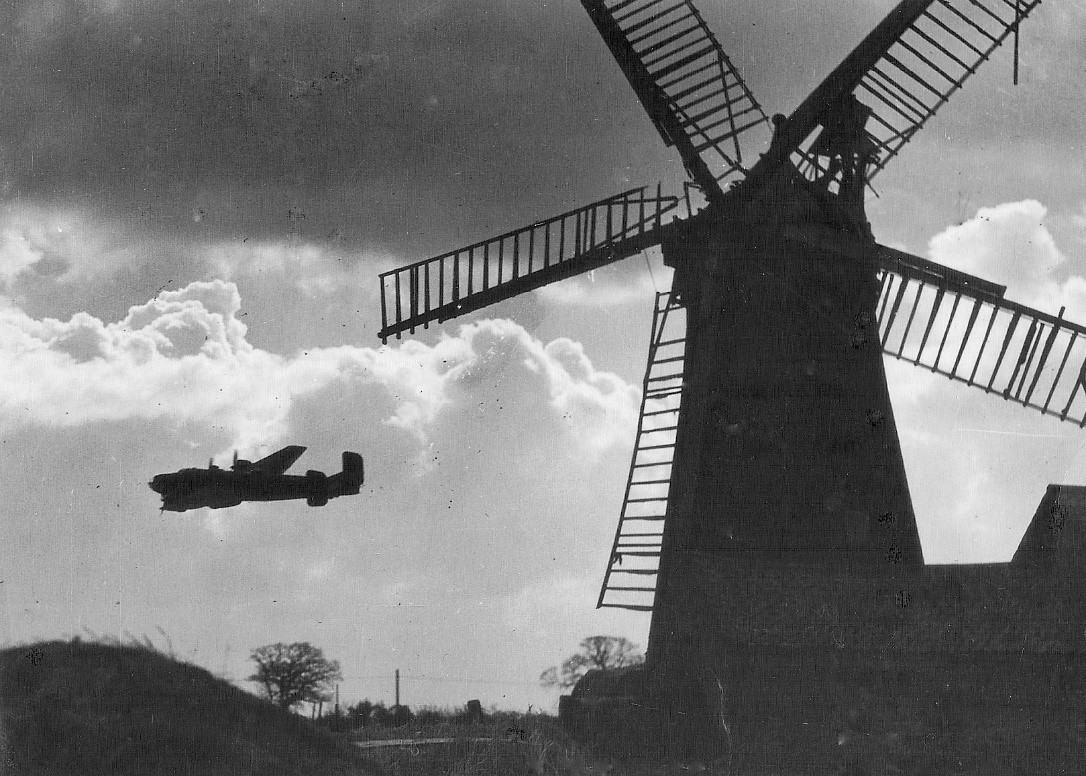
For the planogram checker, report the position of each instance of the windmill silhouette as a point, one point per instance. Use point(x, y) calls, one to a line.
point(767, 463)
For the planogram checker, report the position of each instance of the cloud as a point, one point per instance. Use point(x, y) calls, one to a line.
point(21, 247)
point(596, 408)
point(600, 408)
point(147, 81)
point(71, 243)
point(269, 118)
point(316, 271)
point(56, 242)
point(1011, 245)
point(58, 260)
point(1009, 241)
point(184, 356)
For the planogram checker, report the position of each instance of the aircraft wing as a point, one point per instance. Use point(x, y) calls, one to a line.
point(279, 462)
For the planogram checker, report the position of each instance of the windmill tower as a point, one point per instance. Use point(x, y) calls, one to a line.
point(767, 511)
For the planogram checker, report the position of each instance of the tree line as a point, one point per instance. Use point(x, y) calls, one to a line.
point(289, 674)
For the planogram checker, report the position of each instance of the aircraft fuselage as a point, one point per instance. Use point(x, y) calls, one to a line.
point(219, 488)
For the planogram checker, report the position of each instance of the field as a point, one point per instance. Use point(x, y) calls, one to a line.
point(507, 745)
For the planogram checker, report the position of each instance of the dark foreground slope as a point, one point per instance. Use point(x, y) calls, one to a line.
point(88, 708)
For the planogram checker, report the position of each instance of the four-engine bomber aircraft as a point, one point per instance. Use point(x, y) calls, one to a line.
point(263, 480)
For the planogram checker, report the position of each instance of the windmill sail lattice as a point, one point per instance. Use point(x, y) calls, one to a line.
point(1024, 355)
point(929, 62)
point(690, 88)
point(630, 579)
point(906, 70)
point(487, 272)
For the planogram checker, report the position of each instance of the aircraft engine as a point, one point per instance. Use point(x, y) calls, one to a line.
point(317, 486)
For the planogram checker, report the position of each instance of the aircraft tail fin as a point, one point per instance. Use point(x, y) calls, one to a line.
point(349, 481)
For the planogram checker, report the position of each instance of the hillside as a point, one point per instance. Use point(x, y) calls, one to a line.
point(85, 708)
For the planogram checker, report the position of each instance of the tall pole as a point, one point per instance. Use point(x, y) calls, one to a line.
point(397, 687)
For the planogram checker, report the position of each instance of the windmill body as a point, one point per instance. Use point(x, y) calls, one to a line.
point(786, 448)
point(767, 523)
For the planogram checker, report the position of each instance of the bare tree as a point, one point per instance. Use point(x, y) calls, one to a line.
point(606, 652)
point(294, 673)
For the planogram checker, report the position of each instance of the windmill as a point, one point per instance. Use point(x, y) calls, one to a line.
point(767, 489)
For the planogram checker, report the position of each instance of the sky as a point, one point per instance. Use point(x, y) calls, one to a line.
point(195, 202)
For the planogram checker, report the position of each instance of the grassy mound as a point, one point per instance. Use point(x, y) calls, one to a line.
point(78, 707)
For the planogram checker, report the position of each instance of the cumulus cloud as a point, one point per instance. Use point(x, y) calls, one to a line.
point(184, 356)
point(597, 408)
point(600, 407)
point(1010, 244)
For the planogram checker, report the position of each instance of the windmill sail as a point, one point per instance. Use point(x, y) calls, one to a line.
point(630, 579)
point(930, 61)
point(486, 272)
point(691, 90)
point(1023, 355)
point(904, 71)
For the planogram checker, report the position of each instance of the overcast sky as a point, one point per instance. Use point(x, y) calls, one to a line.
point(196, 201)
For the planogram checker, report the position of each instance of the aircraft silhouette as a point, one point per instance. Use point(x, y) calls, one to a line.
point(263, 480)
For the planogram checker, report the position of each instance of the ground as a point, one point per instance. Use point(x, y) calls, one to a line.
point(83, 708)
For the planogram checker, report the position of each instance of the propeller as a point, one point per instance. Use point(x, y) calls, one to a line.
point(239, 464)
